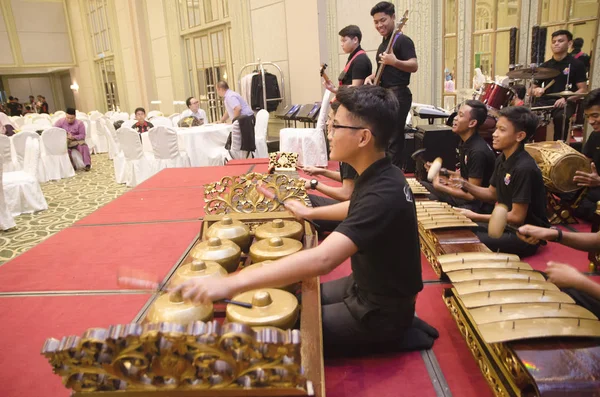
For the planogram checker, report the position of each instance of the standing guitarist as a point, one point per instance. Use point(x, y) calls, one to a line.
point(358, 67)
point(399, 64)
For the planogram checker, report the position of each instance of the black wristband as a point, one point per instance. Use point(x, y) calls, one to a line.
point(559, 237)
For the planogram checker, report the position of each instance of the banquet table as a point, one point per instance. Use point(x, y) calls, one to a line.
point(205, 145)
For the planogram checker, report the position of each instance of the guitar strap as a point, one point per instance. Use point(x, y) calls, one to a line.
point(343, 74)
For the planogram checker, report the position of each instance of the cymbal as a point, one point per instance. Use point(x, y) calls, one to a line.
point(566, 94)
point(533, 73)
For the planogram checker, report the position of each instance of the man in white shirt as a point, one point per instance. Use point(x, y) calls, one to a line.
point(194, 110)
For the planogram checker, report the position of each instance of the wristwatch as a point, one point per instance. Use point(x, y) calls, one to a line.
point(313, 184)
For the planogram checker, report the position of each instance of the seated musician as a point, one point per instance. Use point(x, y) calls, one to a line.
point(583, 290)
point(516, 182)
point(572, 77)
point(141, 124)
point(374, 307)
point(347, 175)
point(587, 205)
point(476, 159)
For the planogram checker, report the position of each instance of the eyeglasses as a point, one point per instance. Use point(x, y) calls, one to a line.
point(338, 126)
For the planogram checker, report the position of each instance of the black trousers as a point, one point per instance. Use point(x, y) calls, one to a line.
point(475, 205)
point(318, 201)
point(396, 145)
point(587, 205)
point(583, 299)
point(342, 331)
point(558, 119)
point(508, 243)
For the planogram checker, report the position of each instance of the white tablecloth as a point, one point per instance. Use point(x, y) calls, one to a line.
point(205, 145)
point(307, 142)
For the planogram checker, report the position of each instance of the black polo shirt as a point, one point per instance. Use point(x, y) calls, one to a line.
point(477, 159)
point(576, 75)
point(519, 180)
point(591, 149)
point(347, 172)
point(13, 108)
point(359, 69)
point(404, 49)
point(382, 223)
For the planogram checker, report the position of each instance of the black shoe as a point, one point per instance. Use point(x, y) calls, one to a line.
point(87, 167)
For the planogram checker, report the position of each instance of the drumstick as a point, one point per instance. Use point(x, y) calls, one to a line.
point(272, 196)
point(434, 169)
point(550, 84)
point(144, 282)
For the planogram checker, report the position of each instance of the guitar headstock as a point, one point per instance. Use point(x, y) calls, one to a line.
point(323, 67)
point(402, 21)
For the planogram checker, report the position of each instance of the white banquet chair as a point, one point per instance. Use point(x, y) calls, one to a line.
point(22, 190)
point(9, 157)
point(309, 143)
point(154, 113)
point(19, 142)
point(139, 166)
point(161, 121)
point(18, 120)
point(166, 149)
point(260, 134)
point(55, 155)
point(99, 136)
point(6, 219)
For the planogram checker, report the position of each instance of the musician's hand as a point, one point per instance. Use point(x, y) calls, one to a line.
point(329, 85)
point(427, 165)
point(468, 213)
point(309, 170)
point(298, 209)
point(528, 239)
point(388, 59)
point(538, 92)
point(538, 233)
point(560, 103)
point(306, 183)
point(458, 182)
point(370, 79)
point(440, 181)
point(591, 179)
point(564, 276)
point(205, 291)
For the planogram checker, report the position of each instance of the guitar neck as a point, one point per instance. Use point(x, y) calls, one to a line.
point(326, 78)
point(387, 51)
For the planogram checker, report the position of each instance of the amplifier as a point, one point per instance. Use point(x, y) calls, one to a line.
point(440, 141)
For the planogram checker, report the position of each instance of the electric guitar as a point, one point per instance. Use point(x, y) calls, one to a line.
point(324, 75)
point(400, 24)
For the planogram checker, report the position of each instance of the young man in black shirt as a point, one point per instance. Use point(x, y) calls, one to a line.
point(13, 106)
point(587, 205)
point(476, 160)
point(572, 77)
point(375, 305)
point(400, 63)
point(516, 182)
point(358, 66)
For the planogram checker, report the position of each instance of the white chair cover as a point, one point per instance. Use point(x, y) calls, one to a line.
point(161, 121)
point(6, 219)
point(95, 115)
point(59, 113)
point(20, 144)
point(56, 157)
point(155, 113)
point(171, 117)
point(309, 143)
point(260, 134)
point(18, 121)
point(98, 136)
point(42, 121)
point(9, 156)
point(88, 136)
point(166, 149)
point(22, 191)
point(128, 123)
point(139, 166)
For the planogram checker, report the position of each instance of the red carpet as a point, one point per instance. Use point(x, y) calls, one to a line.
point(30, 321)
point(187, 177)
point(150, 205)
point(87, 258)
point(455, 359)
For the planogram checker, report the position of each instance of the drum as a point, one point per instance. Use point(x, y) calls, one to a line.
point(496, 96)
point(558, 163)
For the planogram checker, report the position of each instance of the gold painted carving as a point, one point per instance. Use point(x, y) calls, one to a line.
point(239, 194)
point(283, 161)
point(167, 356)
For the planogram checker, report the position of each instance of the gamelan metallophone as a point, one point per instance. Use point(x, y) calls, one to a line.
point(213, 358)
point(514, 322)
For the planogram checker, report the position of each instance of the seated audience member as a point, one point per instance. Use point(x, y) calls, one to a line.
point(28, 109)
point(8, 127)
point(475, 157)
point(194, 110)
point(516, 182)
point(141, 124)
point(75, 137)
point(373, 309)
point(584, 291)
point(347, 175)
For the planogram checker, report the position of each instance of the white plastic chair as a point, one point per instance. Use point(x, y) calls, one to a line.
point(56, 157)
point(6, 219)
point(20, 144)
point(166, 149)
point(9, 157)
point(22, 190)
point(161, 121)
point(260, 134)
point(139, 166)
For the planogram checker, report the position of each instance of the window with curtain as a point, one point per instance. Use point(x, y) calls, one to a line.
point(580, 17)
point(449, 52)
point(196, 13)
point(492, 21)
point(98, 18)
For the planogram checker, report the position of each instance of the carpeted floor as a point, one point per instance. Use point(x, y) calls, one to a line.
point(68, 201)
